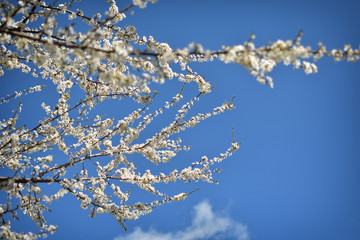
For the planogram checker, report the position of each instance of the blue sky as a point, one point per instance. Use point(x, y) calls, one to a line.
point(296, 174)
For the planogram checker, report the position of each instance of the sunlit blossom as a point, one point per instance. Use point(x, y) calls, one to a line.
point(110, 62)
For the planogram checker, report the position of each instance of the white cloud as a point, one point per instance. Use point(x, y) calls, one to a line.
point(206, 224)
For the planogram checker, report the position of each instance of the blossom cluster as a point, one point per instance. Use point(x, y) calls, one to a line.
point(109, 62)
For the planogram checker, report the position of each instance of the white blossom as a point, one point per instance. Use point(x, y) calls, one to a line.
point(74, 148)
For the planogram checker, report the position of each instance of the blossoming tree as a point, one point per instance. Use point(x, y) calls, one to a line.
point(108, 62)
